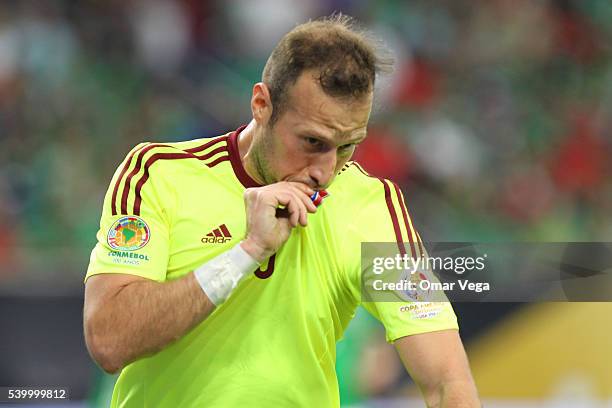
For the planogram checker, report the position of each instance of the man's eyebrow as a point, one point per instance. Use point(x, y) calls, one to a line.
point(318, 135)
point(358, 139)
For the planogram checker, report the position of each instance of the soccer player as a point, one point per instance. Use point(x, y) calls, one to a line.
point(217, 281)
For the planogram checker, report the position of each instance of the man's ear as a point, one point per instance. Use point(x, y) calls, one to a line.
point(261, 104)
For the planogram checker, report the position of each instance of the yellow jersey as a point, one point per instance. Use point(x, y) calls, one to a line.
point(171, 207)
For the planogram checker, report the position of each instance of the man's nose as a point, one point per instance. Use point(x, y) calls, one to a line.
point(322, 170)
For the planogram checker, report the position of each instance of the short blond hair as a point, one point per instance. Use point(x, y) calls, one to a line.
point(347, 60)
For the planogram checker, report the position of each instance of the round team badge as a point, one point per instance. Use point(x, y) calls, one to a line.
point(419, 290)
point(128, 234)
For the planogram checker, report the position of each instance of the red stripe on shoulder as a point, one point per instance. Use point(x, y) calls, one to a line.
point(208, 144)
point(145, 176)
point(394, 219)
point(358, 166)
point(213, 152)
point(406, 223)
point(416, 233)
point(135, 170)
point(391, 208)
point(118, 181)
point(218, 160)
point(187, 154)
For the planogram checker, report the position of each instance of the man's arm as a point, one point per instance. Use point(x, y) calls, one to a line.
point(438, 364)
point(127, 317)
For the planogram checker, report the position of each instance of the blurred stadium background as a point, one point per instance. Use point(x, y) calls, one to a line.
point(497, 123)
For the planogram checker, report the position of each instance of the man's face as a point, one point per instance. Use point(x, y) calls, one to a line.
point(313, 138)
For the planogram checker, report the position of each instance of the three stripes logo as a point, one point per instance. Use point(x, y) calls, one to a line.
point(219, 235)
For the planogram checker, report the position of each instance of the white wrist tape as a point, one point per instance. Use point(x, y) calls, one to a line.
point(219, 276)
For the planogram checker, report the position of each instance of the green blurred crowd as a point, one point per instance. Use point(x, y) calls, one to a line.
point(497, 120)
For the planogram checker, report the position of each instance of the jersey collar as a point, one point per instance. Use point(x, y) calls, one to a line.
point(234, 156)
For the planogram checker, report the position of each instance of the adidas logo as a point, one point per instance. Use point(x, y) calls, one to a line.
point(219, 235)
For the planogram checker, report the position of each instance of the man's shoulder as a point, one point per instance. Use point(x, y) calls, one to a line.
point(356, 184)
point(168, 166)
point(372, 208)
point(198, 145)
point(155, 156)
point(359, 191)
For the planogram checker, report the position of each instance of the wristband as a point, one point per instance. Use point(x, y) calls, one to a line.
point(219, 276)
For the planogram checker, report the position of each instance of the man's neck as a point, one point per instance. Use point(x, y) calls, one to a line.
point(245, 144)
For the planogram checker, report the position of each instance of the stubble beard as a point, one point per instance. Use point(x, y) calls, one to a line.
point(262, 152)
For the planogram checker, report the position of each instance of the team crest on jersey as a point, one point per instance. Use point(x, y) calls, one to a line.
point(129, 234)
point(418, 291)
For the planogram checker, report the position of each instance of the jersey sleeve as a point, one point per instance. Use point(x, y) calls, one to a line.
point(134, 227)
point(388, 221)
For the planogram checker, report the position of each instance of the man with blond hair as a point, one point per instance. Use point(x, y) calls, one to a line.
point(227, 269)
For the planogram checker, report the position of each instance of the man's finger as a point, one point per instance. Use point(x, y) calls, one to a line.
point(294, 207)
point(305, 188)
point(305, 199)
point(294, 212)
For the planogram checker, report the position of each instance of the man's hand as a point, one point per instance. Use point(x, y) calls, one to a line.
point(128, 317)
point(266, 230)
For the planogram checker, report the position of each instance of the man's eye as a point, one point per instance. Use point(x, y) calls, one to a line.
point(313, 143)
point(345, 148)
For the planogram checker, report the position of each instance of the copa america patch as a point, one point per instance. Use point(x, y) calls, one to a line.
point(128, 234)
point(422, 310)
